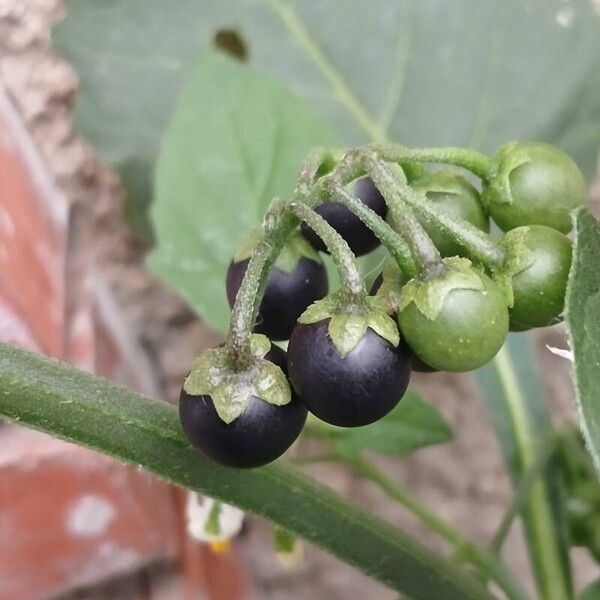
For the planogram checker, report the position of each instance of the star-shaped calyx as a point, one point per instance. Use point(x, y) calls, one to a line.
point(231, 390)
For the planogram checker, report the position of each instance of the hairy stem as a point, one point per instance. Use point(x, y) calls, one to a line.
point(471, 160)
point(352, 283)
point(476, 243)
point(389, 181)
point(393, 242)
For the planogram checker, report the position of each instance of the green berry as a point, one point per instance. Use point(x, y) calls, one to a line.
point(539, 290)
point(533, 184)
point(454, 322)
point(455, 196)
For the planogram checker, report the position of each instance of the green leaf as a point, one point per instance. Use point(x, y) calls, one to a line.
point(516, 404)
point(78, 407)
point(236, 140)
point(591, 592)
point(582, 315)
point(413, 424)
point(422, 72)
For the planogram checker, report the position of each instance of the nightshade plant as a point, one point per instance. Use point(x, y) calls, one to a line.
point(235, 140)
point(349, 356)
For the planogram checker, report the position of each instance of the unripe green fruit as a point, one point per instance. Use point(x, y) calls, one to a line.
point(533, 184)
point(468, 331)
point(457, 197)
point(539, 290)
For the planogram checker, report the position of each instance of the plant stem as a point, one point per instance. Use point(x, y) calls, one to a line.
point(551, 582)
point(352, 283)
point(523, 490)
point(471, 160)
point(280, 224)
point(477, 243)
point(393, 242)
point(479, 557)
point(388, 180)
point(52, 396)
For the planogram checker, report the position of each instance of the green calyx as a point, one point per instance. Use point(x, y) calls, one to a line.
point(348, 324)
point(213, 375)
point(509, 157)
point(388, 293)
point(518, 257)
point(531, 183)
point(428, 293)
point(296, 247)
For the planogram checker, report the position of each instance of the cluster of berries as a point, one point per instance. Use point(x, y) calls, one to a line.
point(350, 356)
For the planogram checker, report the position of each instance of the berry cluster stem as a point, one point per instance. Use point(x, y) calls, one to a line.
point(280, 222)
point(390, 239)
point(390, 181)
point(475, 242)
point(314, 187)
point(477, 163)
point(353, 286)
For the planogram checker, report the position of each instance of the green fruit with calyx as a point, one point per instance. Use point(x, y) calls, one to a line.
point(539, 288)
point(531, 183)
point(455, 319)
point(455, 196)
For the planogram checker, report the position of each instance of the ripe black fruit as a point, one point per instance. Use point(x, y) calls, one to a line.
point(287, 295)
point(351, 391)
point(359, 237)
point(262, 433)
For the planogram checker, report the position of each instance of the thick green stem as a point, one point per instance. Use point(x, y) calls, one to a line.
point(476, 243)
point(477, 556)
point(351, 281)
point(471, 160)
point(393, 242)
point(52, 396)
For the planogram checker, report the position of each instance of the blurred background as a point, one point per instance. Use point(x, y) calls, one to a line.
point(75, 234)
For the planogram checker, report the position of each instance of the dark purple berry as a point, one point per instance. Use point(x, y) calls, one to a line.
point(286, 297)
point(352, 391)
point(262, 433)
point(359, 237)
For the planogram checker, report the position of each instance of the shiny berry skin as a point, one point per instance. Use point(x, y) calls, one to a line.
point(359, 237)
point(457, 197)
point(468, 331)
point(286, 296)
point(352, 391)
point(261, 434)
point(539, 290)
point(544, 188)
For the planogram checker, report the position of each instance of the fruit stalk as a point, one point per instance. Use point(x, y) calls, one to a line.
point(477, 163)
point(352, 283)
point(477, 243)
point(393, 242)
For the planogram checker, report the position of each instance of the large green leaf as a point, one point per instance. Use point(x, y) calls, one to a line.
point(583, 324)
point(417, 71)
point(51, 396)
point(413, 424)
point(236, 140)
point(516, 404)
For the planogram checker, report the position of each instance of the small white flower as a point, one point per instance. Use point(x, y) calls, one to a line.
point(212, 522)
